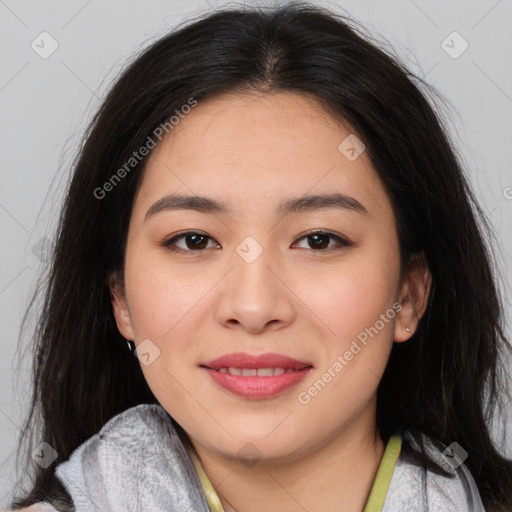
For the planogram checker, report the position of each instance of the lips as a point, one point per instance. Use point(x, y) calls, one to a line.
point(256, 377)
point(248, 361)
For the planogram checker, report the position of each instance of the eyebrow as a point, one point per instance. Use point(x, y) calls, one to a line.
point(294, 205)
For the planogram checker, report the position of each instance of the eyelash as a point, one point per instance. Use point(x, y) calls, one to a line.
point(342, 242)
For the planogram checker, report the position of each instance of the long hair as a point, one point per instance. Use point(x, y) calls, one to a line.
point(445, 382)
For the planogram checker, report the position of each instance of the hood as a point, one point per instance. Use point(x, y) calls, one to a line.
point(138, 462)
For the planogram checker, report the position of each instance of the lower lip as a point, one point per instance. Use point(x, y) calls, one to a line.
point(257, 387)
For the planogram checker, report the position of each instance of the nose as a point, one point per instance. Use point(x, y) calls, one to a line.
point(254, 296)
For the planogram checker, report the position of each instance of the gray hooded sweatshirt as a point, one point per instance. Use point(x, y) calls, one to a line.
point(137, 462)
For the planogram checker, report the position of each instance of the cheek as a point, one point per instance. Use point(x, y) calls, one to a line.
point(165, 309)
point(355, 306)
point(351, 297)
point(162, 296)
point(166, 306)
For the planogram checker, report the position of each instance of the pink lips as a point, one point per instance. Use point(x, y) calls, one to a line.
point(255, 386)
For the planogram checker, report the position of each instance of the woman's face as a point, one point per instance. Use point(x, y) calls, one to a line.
point(257, 277)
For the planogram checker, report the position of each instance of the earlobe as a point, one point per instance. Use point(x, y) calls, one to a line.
point(119, 305)
point(414, 297)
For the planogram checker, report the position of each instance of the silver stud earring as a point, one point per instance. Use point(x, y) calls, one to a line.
point(408, 329)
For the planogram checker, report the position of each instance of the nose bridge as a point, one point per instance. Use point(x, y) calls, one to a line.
point(253, 295)
point(252, 262)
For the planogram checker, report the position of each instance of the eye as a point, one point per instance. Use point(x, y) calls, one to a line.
point(319, 240)
point(194, 241)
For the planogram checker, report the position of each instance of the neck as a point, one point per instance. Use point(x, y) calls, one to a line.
point(336, 476)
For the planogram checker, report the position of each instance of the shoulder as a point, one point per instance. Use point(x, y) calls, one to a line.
point(133, 435)
point(36, 507)
point(143, 428)
point(137, 455)
point(413, 486)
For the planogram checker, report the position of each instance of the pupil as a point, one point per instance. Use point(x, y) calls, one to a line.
point(196, 245)
point(316, 237)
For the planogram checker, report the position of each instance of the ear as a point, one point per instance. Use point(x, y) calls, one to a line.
point(413, 297)
point(120, 305)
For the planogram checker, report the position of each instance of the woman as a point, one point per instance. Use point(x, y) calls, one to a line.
point(269, 215)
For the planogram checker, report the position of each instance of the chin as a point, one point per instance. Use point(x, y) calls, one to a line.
point(253, 448)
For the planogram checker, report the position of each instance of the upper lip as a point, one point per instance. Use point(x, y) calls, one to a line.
point(243, 360)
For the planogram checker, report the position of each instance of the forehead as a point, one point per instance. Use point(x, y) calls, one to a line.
point(252, 149)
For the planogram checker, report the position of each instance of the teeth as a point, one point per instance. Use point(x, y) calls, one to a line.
point(260, 372)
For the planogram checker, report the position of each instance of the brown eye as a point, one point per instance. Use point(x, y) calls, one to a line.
point(320, 240)
point(196, 241)
point(193, 240)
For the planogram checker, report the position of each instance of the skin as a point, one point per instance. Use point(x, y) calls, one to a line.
point(253, 151)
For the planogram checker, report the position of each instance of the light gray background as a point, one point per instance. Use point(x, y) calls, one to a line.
point(45, 105)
